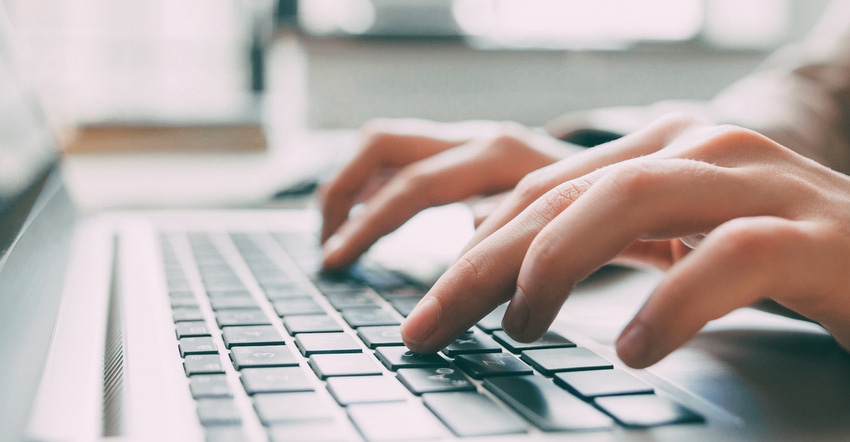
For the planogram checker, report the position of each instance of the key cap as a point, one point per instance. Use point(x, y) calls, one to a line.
point(366, 389)
point(209, 385)
point(232, 302)
point(276, 292)
point(183, 314)
point(364, 317)
point(224, 434)
point(191, 329)
point(218, 411)
point(646, 410)
point(493, 320)
point(196, 346)
point(472, 344)
point(546, 405)
point(262, 356)
point(202, 364)
point(434, 380)
point(311, 324)
point(486, 365)
point(183, 302)
point(308, 432)
point(471, 414)
point(297, 306)
point(251, 335)
point(392, 421)
point(409, 292)
point(375, 337)
point(596, 383)
point(549, 340)
point(295, 407)
point(551, 361)
point(404, 305)
point(354, 364)
point(395, 358)
point(275, 380)
point(346, 300)
point(317, 343)
point(236, 317)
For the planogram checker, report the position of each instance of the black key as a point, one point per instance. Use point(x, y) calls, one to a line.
point(203, 345)
point(218, 411)
point(646, 410)
point(546, 405)
point(395, 358)
point(365, 317)
point(217, 294)
point(292, 407)
point(393, 421)
point(471, 414)
point(311, 324)
point(354, 364)
point(227, 318)
point(343, 284)
point(409, 292)
point(345, 300)
point(233, 302)
point(366, 389)
point(596, 383)
point(202, 364)
point(317, 343)
point(553, 360)
point(549, 340)
point(306, 431)
point(404, 305)
point(275, 292)
point(486, 365)
point(434, 380)
point(183, 314)
point(190, 329)
point(251, 335)
point(297, 306)
point(493, 321)
point(183, 302)
point(275, 380)
point(472, 344)
point(262, 356)
point(209, 385)
point(375, 337)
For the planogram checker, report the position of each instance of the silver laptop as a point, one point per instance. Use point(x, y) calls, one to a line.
point(216, 325)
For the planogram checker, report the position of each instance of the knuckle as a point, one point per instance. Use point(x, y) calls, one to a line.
point(635, 179)
point(677, 121)
point(375, 133)
point(756, 240)
point(532, 185)
point(726, 138)
point(560, 197)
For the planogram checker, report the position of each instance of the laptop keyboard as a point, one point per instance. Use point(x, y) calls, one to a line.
point(320, 357)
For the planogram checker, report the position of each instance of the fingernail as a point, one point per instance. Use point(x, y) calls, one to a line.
point(516, 316)
point(422, 321)
point(634, 346)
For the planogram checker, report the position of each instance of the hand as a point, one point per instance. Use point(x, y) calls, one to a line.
point(776, 225)
point(405, 166)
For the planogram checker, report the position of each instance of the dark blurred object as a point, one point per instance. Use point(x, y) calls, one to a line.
point(286, 12)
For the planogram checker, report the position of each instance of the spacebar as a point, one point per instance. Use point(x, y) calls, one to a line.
point(546, 405)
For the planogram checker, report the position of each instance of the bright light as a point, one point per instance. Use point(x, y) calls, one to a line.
point(334, 16)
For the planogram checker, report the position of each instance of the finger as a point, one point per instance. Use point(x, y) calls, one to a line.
point(642, 199)
point(643, 142)
point(741, 262)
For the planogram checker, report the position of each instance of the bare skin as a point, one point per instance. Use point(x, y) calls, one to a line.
point(769, 224)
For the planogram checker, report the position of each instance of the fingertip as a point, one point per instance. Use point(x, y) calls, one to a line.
point(420, 325)
point(635, 346)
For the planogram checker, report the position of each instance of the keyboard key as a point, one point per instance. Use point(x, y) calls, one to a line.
point(317, 343)
point(191, 329)
point(311, 324)
point(472, 344)
point(224, 434)
point(493, 320)
point(375, 337)
point(486, 365)
point(551, 361)
point(549, 340)
point(232, 302)
point(395, 358)
point(355, 299)
point(308, 432)
point(295, 407)
point(365, 317)
point(596, 383)
point(297, 306)
point(209, 385)
point(434, 380)
point(471, 414)
point(203, 345)
point(183, 314)
point(355, 364)
point(395, 422)
point(402, 292)
point(366, 389)
point(235, 317)
point(218, 411)
point(183, 302)
point(404, 305)
point(546, 405)
point(202, 364)
point(251, 335)
point(275, 380)
point(646, 410)
point(262, 356)
point(276, 292)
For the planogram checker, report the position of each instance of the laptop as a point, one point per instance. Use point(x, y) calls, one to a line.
point(216, 325)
